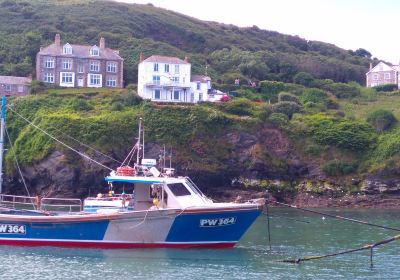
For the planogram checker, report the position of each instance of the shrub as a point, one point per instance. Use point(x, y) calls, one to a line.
point(342, 90)
point(388, 145)
point(338, 168)
point(381, 119)
point(238, 106)
point(314, 95)
point(343, 133)
point(387, 87)
point(79, 104)
point(286, 96)
point(304, 79)
point(37, 87)
point(278, 119)
point(286, 107)
point(265, 113)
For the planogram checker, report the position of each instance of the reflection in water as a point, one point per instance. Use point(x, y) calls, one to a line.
point(293, 234)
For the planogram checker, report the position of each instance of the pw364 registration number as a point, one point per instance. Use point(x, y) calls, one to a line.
point(217, 222)
point(12, 229)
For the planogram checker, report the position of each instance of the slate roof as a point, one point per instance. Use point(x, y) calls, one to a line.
point(200, 78)
point(12, 80)
point(80, 51)
point(165, 59)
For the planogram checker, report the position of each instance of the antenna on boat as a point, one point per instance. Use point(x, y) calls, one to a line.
point(2, 128)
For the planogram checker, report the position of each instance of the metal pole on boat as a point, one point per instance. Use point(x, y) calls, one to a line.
point(2, 128)
point(138, 151)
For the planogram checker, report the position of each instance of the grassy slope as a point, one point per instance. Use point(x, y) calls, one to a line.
point(132, 28)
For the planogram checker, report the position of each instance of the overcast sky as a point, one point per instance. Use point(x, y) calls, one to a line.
point(349, 24)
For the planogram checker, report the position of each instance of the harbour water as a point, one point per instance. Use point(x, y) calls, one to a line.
point(293, 234)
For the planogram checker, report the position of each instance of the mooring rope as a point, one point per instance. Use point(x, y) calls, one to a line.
point(59, 141)
point(337, 217)
point(365, 247)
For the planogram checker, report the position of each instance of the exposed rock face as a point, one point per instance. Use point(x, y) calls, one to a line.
point(378, 186)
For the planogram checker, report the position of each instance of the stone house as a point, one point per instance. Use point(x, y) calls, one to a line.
point(71, 65)
point(14, 86)
point(382, 74)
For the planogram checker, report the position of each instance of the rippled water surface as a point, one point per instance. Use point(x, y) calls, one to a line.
point(293, 234)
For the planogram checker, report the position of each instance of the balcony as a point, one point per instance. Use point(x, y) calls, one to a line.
point(167, 84)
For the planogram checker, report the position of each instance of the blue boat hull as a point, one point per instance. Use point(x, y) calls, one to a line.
point(217, 228)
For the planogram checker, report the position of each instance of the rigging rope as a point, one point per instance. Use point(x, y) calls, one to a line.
point(57, 140)
point(18, 167)
point(87, 146)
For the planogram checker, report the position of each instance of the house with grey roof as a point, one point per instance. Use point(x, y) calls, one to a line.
point(169, 79)
point(14, 86)
point(383, 74)
point(71, 65)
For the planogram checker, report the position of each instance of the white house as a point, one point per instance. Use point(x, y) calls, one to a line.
point(165, 79)
point(168, 79)
point(383, 74)
point(200, 87)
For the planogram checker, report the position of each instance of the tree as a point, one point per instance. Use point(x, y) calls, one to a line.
point(304, 78)
point(363, 53)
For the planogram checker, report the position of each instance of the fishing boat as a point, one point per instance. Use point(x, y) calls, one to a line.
point(156, 209)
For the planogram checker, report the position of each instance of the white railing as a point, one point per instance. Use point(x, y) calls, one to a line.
point(61, 204)
point(19, 201)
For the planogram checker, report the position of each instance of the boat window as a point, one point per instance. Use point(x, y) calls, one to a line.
point(179, 189)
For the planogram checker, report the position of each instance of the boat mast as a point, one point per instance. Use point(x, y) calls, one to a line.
point(138, 143)
point(2, 128)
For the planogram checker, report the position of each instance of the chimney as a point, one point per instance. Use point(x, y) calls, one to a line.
point(370, 66)
point(57, 40)
point(102, 43)
point(186, 59)
point(141, 57)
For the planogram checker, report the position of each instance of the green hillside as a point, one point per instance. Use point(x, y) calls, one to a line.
point(229, 51)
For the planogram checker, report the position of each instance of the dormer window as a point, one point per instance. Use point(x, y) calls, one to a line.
point(94, 51)
point(67, 49)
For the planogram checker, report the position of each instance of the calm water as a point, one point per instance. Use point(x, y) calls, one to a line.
point(293, 233)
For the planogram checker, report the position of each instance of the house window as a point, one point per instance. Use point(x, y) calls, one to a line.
point(111, 82)
point(66, 78)
point(48, 78)
point(49, 62)
point(376, 77)
point(111, 67)
point(81, 69)
point(175, 80)
point(387, 76)
point(200, 96)
point(67, 49)
point(156, 80)
point(94, 51)
point(155, 67)
point(166, 68)
point(95, 79)
point(95, 66)
point(183, 80)
point(20, 89)
point(177, 69)
point(157, 94)
point(176, 94)
point(67, 64)
point(198, 86)
point(7, 87)
point(192, 97)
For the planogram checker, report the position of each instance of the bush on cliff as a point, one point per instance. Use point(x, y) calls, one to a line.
point(381, 119)
point(287, 107)
point(343, 133)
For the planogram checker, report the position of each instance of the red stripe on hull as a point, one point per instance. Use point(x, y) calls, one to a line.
point(111, 245)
